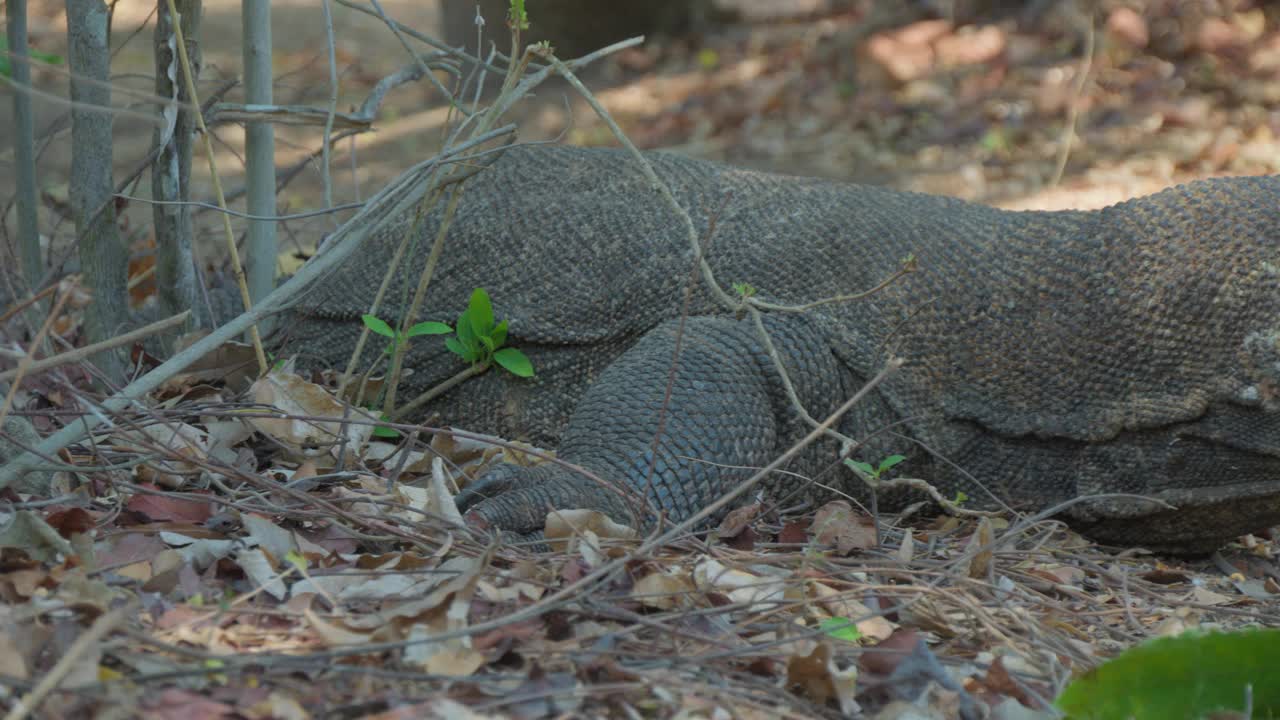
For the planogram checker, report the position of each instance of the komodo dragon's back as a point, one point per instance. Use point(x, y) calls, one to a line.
point(1047, 355)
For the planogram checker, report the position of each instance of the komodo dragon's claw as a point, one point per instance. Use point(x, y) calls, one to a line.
point(517, 499)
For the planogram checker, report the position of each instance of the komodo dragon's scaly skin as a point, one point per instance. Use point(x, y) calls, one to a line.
point(1048, 356)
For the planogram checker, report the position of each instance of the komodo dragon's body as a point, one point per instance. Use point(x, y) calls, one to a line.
point(1047, 355)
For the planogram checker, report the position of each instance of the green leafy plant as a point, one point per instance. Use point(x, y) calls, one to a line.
point(875, 472)
point(518, 17)
point(477, 338)
point(395, 337)
point(6, 67)
point(744, 290)
point(1193, 675)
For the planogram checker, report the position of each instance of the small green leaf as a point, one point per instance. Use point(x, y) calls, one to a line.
point(465, 331)
point(467, 348)
point(841, 629)
point(455, 347)
point(515, 362)
point(429, 328)
point(961, 498)
point(481, 311)
point(296, 559)
point(475, 350)
point(859, 465)
point(889, 462)
point(383, 431)
point(499, 334)
point(995, 140)
point(378, 325)
point(487, 342)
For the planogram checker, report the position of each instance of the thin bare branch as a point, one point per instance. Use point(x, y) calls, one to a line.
point(82, 353)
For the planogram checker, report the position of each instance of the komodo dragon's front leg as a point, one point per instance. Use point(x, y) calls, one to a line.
point(725, 416)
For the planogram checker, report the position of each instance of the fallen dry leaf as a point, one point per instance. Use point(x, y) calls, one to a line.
point(161, 507)
point(564, 526)
point(740, 586)
point(69, 521)
point(907, 550)
point(837, 524)
point(277, 706)
point(817, 676)
point(308, 438)
point(233, 363)
point(176, 704)
point(737, 520)
point(334, 633)
point(183, 445)
point(665, 589)
point(837, 604)
point(981, 550)
point(884, 657)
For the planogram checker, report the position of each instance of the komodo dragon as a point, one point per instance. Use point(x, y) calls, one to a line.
point(1047, 355)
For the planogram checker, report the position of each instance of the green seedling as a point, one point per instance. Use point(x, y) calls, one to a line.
point(395, 337)
point(517, 16)
point(477, 339)
point(875, 472)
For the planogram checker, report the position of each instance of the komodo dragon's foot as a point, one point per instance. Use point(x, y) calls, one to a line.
point(516, 499)
point(654, 441)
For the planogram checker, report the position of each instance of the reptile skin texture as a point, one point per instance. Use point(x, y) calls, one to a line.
point(1049, 357)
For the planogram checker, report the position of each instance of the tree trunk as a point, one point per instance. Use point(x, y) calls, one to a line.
point(259, 139)
point(176, 281)
point(102, 255)
point(28, 244)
